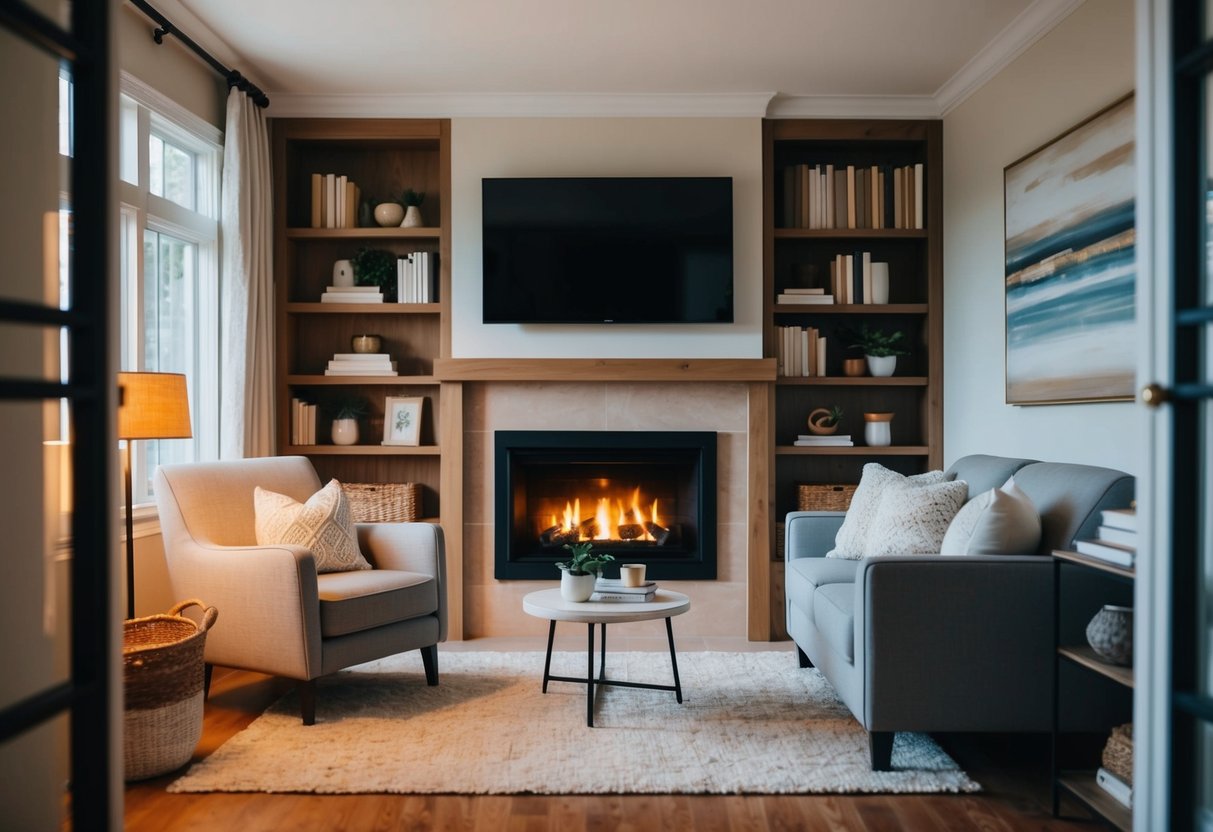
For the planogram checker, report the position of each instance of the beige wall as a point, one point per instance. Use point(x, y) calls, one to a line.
point(1081, 66)
point(169, 68)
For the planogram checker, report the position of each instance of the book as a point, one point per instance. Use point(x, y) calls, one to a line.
point(616, 585)
point(1110, 552)
point(317, 190)
point(798, 290)
point(820, 300)
point(917, 188)
point(337, 364)
point(842, 443)
point(1120, 537)
point(822, 437)
point(365, 290)
point(351, 297)
point(1121, 791)
point(361, 356)
point(621, 597)
point(357, 371)
point(1120, 518)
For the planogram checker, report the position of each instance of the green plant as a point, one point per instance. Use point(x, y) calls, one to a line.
point(836, 414)
point(877, 343)
point(376, 267)
point(583, 561)
point(349, 407)
point(411, 197)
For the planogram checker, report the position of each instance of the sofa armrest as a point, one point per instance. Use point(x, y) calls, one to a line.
point(810, 534)
point(409, 547)
point(955, 643)
point(267, 590)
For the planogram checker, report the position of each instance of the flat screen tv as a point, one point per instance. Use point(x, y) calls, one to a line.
point(608, 250)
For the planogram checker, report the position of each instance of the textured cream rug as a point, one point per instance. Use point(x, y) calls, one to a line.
point(749, 722)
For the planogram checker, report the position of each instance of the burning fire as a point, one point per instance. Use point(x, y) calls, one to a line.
point(611, 520)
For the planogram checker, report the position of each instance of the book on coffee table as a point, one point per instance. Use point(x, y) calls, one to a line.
point(612, 589)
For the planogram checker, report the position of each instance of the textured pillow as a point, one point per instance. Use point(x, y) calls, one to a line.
point(912, 520)
point(852, 537)
point(322, 524)
point(1001, 521)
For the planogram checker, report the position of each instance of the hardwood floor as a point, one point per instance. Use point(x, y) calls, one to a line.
point(1013, 771)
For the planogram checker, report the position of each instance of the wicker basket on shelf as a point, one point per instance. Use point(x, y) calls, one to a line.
point(826, 497)
point(1118, 752)
point(383, 502)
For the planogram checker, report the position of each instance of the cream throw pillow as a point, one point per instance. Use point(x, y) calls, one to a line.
point(913, 519)
point(852, 537)
point(322, 524)
point(1001, 521)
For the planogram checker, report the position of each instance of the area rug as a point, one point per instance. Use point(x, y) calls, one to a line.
point(749, 723)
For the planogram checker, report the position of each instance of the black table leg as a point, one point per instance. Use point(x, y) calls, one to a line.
point(547, 662)
point(669, 632)
point(589, 680)
point(602, 655)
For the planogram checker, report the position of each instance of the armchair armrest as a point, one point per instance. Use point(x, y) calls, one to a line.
point(409, 547)
point(268, 590)
point(955, 643)
point(810, 534)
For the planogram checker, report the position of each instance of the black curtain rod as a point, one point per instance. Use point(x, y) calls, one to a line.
point(234, 78)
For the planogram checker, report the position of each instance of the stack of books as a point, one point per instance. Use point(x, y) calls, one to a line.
point(1116, 538)
point(612, 589)
point(361, 364)
point(816, 296)
point(352, 294)
point(800, 351)
point(851, 277)
point(853, 196)
point(334, 201)
point(415, 277)
point(1121, 791)
point(842, 440)
point(303, 422)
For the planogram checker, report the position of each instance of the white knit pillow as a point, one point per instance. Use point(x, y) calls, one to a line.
point(852, 537)
point(912, 520)
point(322, 524)
point(1001, 521)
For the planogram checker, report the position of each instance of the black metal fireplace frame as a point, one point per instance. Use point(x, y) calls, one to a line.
point(699, 565)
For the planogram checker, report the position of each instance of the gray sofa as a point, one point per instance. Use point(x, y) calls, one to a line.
point(931, 643)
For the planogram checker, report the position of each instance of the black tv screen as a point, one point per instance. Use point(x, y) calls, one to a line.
point(608, 250)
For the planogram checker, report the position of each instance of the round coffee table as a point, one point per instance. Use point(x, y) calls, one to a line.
point(549, 604)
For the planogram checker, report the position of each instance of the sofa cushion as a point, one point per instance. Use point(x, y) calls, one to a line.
point(322, 524)
point(913, 519)
point(1000, 521)
point(805, 575)
point(834, 615)
point(852, 537)
point(355, 601)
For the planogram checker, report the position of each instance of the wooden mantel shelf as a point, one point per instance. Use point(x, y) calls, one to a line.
point(604, 369)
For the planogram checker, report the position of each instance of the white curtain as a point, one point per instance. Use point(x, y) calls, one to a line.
point(247, 326)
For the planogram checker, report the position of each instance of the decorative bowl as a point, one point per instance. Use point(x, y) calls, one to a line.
point(365, 343)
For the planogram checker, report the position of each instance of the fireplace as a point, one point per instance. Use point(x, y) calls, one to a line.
point(643, 496)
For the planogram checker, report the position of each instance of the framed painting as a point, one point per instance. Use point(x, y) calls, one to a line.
point(1070, 273)
point(402, 420)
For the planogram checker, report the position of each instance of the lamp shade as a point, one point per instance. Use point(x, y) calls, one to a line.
point(153, 406)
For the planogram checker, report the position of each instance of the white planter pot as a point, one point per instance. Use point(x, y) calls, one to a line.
point(412, 217)
point(576, 588)
point(345, 431)
point(881, 365)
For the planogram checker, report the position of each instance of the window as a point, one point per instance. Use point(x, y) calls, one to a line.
point(169, 165)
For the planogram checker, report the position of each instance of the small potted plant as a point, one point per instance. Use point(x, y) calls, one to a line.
point(346, 413)
point(579, 572)
point(824, 421)
point(376, 267)
point(879, 348)
point(411, 200)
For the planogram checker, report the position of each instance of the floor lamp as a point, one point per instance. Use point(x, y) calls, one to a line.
point(150, 406)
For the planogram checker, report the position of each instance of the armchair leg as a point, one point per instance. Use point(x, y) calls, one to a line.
point(307, 701)
point(880, 743)
point(803, 658)
point(207, 673)
point(429, 658)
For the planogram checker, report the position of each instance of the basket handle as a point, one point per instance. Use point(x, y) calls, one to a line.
point(209, 614)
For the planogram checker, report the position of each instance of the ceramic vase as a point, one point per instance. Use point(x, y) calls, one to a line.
point(854, 367)
point(880, 283)
point(878, 429)
point(389, 214)
point(816, 418)
point(576, 588)
point(1110, 634)
point(412, 217)
point(345, 431)
point(881, 365)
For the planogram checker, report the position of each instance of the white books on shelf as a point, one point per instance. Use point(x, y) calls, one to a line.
point(1113, 785)
point(918, 171)
point(1121, 537)
point(339, 364)
point(1110, 552)
point(352, 290)
point(1120, 518)
point(800, 290)
point(832, 443)
point(820, 300)
point(351, 297)
point(303, 423)
point(826, 438)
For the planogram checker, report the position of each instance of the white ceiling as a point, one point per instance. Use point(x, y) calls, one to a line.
point(523, 51)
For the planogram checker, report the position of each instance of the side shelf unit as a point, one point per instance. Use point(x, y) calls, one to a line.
point(1075, 656)
point(801, 257)
point(383, 157)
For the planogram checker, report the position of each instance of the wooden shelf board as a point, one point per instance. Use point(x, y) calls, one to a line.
point(851, 381)
point(363, 450)
point(298, 308)
point(423, 233)
point(850, 233)
point(859, 450)
point(342, 381)
point(1088, 658)
point(605, 369)
point(1082, 785)
point(850, 308)
point(1094, 563)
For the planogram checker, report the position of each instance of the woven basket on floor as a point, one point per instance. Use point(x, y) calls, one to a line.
point(1118, 752)
point(383, 502)
point(828, 497)
point(163, 672)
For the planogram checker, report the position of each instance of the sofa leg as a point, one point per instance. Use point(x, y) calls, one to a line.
point(307, 701)
point(429, 658)
point(880, 743)
point(208, 670)
point(803, 658)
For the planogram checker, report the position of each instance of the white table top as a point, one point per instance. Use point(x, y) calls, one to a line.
point(548, 603)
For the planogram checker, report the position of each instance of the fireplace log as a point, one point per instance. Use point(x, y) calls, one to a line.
point(548, 535)
point(630, 531)
point(660, 534)
point(588, 528)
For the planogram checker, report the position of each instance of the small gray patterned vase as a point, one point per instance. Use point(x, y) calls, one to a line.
point(1110, 634)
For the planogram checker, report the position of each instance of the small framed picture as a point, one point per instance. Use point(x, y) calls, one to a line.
point(402, 420)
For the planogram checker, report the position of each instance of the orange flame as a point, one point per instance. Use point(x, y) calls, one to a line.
point(610, 513)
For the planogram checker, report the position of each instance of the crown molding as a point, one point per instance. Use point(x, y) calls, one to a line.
point(506, 105)
point(853, 106)
point(1031, 25)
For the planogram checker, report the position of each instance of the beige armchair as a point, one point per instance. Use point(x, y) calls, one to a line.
point(277, 615)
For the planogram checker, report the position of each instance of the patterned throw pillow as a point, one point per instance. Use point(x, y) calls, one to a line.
point(852, 537)
point(912, 520)
point(1001, 521)
point(322, 524)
